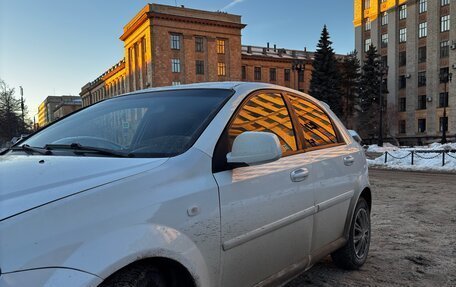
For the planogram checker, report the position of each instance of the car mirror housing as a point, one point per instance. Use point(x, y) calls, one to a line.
point(355, 136)
point(253, 148)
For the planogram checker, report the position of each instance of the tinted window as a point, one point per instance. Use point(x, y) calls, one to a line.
point(265, 113)
point(317, 127)
point(151, 124)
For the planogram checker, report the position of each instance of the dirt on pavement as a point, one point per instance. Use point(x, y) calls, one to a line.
point(413, 235)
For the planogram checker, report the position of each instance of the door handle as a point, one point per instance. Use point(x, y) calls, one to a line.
point(349, 160)
point(299, 174)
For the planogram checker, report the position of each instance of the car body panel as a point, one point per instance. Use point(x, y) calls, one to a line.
point(266, 214)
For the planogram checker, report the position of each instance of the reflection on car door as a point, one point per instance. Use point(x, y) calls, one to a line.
point(266, 217)
point(332, 162)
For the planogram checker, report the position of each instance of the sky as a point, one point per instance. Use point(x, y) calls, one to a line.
point(54, 47)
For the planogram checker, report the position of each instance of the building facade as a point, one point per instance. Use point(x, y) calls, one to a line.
point(55, 107)
point(417, 40)
point(167, 45)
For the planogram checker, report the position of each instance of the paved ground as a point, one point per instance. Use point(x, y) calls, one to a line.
point(413, 235)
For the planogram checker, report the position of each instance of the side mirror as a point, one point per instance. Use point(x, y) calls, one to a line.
point(253, 148)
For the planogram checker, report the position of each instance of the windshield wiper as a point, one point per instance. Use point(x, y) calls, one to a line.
point(27, 148)
point(78, 148)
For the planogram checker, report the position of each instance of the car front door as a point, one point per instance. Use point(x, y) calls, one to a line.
point(266, 210)
point(334, 163)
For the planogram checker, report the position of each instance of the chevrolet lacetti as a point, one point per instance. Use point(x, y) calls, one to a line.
point(215, 184)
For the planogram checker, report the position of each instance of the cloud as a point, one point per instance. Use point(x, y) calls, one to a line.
point(234, 2)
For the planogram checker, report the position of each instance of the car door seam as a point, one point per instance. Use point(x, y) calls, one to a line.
point(335, 200)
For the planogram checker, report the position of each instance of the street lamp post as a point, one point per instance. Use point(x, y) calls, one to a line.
point(446, 78)
point(298, 66)
point(383, 71)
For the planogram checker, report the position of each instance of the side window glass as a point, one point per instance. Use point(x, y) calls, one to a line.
point(317, 127)
point(265, 113)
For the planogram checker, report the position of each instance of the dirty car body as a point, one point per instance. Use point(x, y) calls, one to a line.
point(155, 177)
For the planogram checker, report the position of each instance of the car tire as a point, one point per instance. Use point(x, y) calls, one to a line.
point(141, 275)
point(354, 254)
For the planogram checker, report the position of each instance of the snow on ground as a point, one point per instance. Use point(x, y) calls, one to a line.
point(400, 158)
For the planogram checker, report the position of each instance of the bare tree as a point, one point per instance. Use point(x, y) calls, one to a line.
point(11, 121)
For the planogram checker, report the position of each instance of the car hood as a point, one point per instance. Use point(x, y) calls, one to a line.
point(28, 181)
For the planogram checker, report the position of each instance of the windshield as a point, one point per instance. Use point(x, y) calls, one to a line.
point(151, 124)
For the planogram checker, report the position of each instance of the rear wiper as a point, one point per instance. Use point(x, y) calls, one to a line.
point(78, 148)
point(27, 148)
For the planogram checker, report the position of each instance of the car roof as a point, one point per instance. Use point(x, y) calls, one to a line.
point(215, 85)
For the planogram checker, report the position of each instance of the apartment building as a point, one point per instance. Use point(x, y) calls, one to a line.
point(417, 41)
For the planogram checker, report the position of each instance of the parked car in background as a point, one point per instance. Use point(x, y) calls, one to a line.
point(355, 136)
point(215, 184)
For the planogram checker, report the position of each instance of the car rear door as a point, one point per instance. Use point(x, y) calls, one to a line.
point(335, 165)
point(266, 210)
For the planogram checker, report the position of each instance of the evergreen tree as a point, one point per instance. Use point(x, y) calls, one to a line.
point(350, 71)
point(325, 83)
point(369, 91)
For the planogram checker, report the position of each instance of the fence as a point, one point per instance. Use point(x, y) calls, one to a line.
point(416, 153)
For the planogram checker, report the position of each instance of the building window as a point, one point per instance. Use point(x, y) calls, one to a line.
point(243, 72)
point(444, 74)
point(384, 40)
point(220, 46)
point(384, 61)
point(403, 35)
point(422, 54)
point(175, 65)
point(421, 102)
point(402, 104)
point(443, 100)
point(421, 125)
point(421, 79)
point(301, 76)
point(443, 124)
point(368, 25)
point(175, 83)
point(272, 74)
point(384, 19)
point(422, 30)
point(402, 129)
point(423, 6)
point(402, 82)
point(445, 23)
point(367, 44)
point(402, 59)
point(175, 41)
point(403, 12)
point(444, 2)
point(199, 67)
point(444, 49)
point(286, 75)
point(257, 73)
point(199, 44)
point(221, 69)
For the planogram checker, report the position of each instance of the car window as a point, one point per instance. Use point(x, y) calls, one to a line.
point(315, 123)
point(265, 112)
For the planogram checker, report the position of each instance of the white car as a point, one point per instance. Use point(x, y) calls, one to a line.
point(214, 184)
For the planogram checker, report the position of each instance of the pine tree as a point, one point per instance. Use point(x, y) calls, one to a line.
point(325, 83)
point(369, 91)
point(350, 71)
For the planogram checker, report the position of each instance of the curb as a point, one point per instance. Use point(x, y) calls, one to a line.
point(431, 171)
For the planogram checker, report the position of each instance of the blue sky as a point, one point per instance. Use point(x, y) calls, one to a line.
point(56, 46)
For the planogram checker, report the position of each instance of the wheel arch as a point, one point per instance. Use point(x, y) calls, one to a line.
point(366, 193)
point(173, 271)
